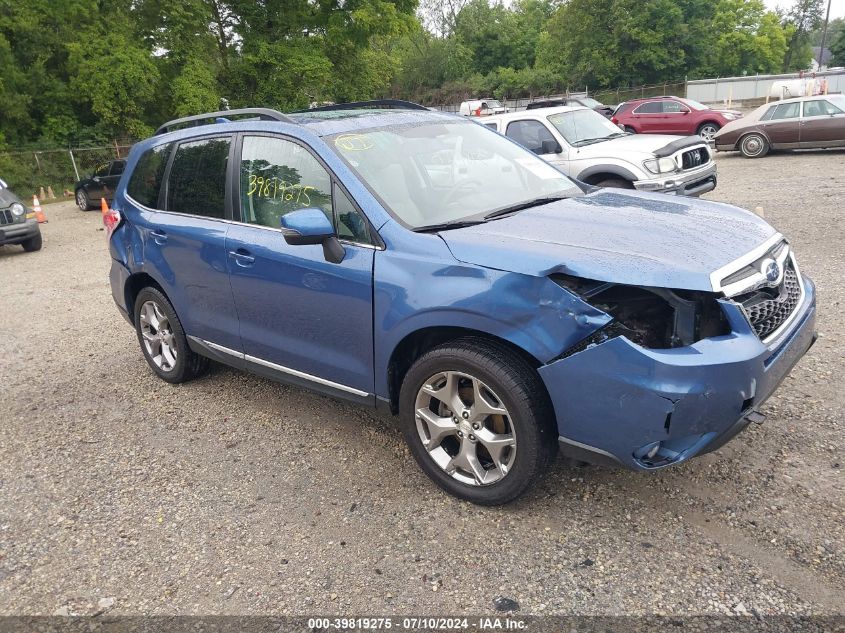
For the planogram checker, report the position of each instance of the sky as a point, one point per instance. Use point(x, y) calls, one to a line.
point(837, 7)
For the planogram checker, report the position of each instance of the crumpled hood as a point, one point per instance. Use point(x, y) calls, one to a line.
point(636, 238)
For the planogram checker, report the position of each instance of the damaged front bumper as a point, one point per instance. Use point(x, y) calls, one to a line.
point(693, 182)
point(646, 409)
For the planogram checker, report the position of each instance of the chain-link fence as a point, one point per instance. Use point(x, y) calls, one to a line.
point(38, 172)
point(610, 96)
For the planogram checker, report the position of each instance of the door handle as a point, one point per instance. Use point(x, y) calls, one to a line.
point(243, 257)
point(160, 237)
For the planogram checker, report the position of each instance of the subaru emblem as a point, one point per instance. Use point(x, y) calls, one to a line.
point(771, 270)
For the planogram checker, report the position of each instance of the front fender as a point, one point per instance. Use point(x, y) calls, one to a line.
point(615, 167)
point(414, 292)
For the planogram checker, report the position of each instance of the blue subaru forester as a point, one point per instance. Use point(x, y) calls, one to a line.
point(420, 263)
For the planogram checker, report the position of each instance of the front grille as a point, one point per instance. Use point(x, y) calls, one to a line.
point(6, 217)
point(768, 308)
point(695, 158)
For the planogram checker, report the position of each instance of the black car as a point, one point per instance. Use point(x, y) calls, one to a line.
point(100, 184)
point(17, 222)
point(587, 102)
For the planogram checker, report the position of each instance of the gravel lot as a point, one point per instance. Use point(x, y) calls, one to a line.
point(235, 495)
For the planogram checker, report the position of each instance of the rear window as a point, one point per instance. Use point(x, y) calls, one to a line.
point(145, 183)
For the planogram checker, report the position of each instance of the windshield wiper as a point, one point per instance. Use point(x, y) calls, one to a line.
point(445, 226)
point(522, 205)
point(590, 141)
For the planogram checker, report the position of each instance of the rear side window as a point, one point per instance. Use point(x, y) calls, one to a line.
point(787, 111)
point(197, 181)
point(652, 107)
point(145, 183)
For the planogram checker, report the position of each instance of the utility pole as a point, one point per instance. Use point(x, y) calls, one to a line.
point(824, 34)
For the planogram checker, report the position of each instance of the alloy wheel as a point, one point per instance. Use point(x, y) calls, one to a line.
point(81, 200)
point(465, 428)
point(158, 336)
point(708, 132)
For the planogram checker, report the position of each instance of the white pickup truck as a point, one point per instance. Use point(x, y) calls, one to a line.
point(585, 145)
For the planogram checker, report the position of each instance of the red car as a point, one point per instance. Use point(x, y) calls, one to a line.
point(672, 115)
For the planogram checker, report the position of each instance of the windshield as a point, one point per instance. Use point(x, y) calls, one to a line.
point(589, 102)
point(580, 127)
point(493, 104)
point(435, 173)
point(695, 105)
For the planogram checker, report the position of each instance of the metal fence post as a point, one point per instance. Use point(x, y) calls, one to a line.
point(75, 170)
point(37, 162)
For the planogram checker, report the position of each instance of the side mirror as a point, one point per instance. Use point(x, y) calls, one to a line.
point(684, 111)
point(550, 146)
point(96, 179)
point(311, 226)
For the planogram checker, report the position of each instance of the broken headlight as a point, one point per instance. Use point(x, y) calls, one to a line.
point(656, 318)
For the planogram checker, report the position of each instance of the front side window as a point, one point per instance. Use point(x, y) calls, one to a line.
point(280, 176)
point(145, 182)
point(673, 107)
point(197, 181)
point(530, 134)
point(102, 170)
point(117, 167)
point(436, 172)
point(787, 111)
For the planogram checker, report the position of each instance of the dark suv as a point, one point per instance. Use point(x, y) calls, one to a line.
point(420, 263)
point(17, 222)
point(101, 184)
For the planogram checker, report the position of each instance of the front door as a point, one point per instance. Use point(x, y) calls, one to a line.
point(823, 124)
point(299, 314)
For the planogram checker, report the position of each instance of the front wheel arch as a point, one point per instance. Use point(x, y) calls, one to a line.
point(419, 342)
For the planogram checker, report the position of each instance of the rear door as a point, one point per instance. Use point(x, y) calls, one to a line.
point(300, 315)
point(783, 126)
point(183, 237)
point(648, 117)
point(822, 124)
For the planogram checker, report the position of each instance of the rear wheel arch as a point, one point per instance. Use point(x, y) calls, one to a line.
point(135, 284)
point(419, 342)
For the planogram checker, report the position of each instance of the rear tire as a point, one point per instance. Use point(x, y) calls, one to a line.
point(615, 183)
point(522, 436)
point(82, 200)
point(32, 244)
point(754, 146)
point(162, 339)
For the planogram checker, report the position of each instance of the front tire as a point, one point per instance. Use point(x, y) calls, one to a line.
point(32, 244)
point(478, 420)
point(615, 183)
point(82, 200)
point(754, 146)
point(162, 339)
point(707, 131)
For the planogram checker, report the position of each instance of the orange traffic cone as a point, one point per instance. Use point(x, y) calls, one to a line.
point(104, 206)
point(39, 214)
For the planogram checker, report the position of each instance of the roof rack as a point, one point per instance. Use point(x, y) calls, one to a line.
point(374, 103)
point(262, 114)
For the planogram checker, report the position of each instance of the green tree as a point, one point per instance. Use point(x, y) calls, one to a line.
point(803, 18)
point(837, 48)
point(750, 39)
